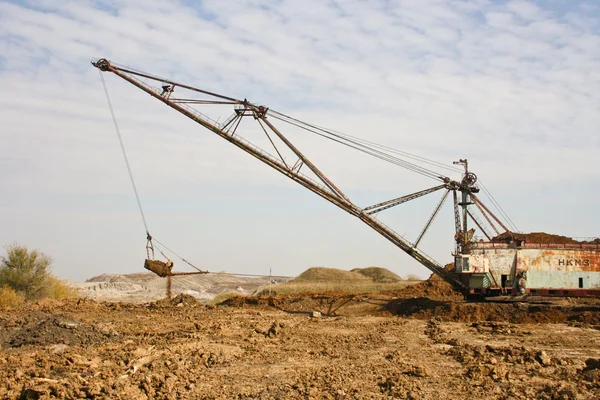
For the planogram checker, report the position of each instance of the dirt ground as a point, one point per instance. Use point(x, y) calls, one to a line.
point(360, 346)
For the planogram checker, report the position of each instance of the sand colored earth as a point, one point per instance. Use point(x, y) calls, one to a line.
point(421, 342)
point(315, 346)
point(146, 286)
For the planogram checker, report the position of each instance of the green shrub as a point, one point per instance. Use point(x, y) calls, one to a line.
point(25, 271)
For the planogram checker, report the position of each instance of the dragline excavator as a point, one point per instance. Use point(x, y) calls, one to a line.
point(510, 266)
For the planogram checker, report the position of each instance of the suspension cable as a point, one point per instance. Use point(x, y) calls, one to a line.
point(498, 207)
point(114, 118)
point(177, 255)
point(374, 152)
point(364, 141)
point(369, 150)
point(382, 152)
point(137, 196)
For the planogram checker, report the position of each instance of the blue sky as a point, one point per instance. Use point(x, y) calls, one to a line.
point(512, 86)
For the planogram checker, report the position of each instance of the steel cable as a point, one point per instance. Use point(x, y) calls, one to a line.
point(365, 142)
point(371, 151)
point(114, 118)
point(498, 207)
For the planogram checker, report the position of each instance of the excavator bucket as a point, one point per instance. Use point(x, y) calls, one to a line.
point(160, 268)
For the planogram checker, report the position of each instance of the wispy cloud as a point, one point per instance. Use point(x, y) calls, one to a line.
point(514, 86)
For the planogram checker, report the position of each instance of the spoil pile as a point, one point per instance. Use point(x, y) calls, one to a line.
point(378, 274)
point(434, 287)
point(322, 274)
point(182, 298)
point(535, 237)
point(331, 280)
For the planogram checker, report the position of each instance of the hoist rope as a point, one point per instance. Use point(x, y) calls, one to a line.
point(133, 185)
point(383, 152)
point(114, 118)
point(177, 255)
point(368, 142)
point(498, 207)
point(365, 149)
point(379, 151)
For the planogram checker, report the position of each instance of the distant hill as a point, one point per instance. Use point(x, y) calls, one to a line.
point(146, 286)
point(378, 274)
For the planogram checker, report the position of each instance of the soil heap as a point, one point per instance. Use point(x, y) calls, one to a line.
point(379, 275)
point(534, 237)
point(322, 274)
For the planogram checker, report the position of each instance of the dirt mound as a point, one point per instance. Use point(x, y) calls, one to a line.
point(518, 313)
point(322, 274)
point(535, 237)
point(379, 275)
point(434, 287)
point(55, 329)
point(182, 298)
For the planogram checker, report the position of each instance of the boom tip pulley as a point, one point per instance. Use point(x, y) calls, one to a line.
point(102, 64)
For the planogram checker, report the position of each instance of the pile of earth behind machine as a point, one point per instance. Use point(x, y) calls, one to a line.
point(538, 237)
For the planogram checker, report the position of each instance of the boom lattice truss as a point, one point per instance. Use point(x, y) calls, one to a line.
point(183, 98)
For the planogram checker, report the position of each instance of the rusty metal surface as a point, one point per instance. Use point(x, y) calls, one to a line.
point(580, 259)
point(565, 292)
point(570, 269)
point(160, 268)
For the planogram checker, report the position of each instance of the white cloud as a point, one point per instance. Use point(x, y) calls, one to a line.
point(513, 86)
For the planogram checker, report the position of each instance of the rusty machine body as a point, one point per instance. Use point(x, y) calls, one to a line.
point(481, 267)
point(540, 269)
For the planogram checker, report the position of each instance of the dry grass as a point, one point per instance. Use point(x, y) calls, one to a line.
point(53, 289)
point(56, 289)
point(378, 274)
point(221, 297)
point(10, 298)
point(366, 286)
point(322, 280)
point(322, 274)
